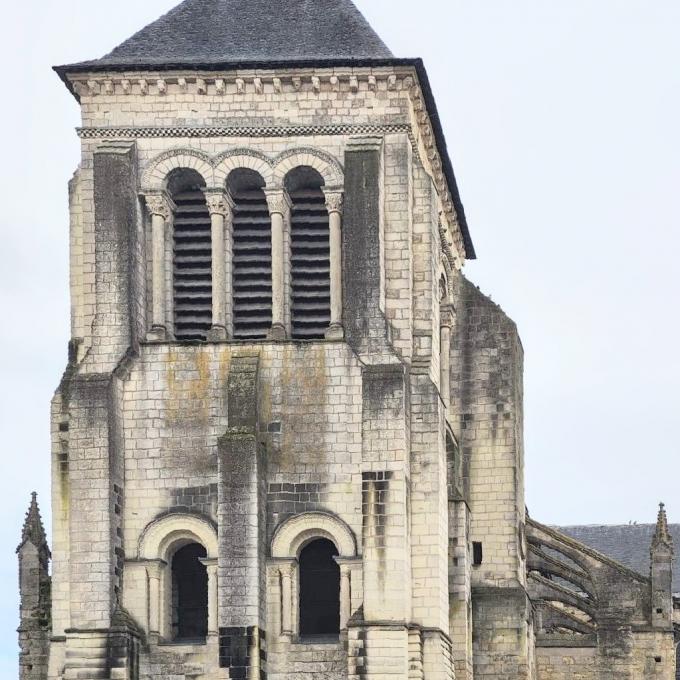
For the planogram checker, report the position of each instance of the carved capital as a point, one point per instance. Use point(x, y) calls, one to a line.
point(447, 316)
point(278, 201)
point(287, 568)
point(155, 567)
point(218, 203)
point(159, 204)
point(334, 200)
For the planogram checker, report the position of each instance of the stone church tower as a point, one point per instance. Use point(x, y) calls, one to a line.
point(288, 440)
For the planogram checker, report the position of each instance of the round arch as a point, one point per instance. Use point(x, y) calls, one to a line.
point(296, 532)
point(235, 159)
point(327, 166)
point(164, 535)
point(158, 169)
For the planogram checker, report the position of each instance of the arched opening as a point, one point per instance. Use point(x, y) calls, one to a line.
point(252, 256)
point(189, 593)
point(319, 589)
point(443, 290)
point(192, 256)
point(310, 254)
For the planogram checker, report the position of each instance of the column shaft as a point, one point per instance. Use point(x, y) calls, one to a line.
point(286, 602)
point(154, 604)
point(334, 205)
point(445, 365)
point(345, 596)
point(218, 271)
point(160, 206)
point(279, 207)
point(447, 319)
point(158, 283)
point(277, 272)
point(211, 568)
point(219, 206)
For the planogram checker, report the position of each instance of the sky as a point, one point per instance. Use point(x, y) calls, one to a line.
point(561, 117)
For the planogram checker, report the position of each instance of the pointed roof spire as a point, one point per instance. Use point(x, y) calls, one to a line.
point(662, 537)
point(33, 530)
point(245, 31)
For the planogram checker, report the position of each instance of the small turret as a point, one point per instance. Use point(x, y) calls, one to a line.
point(34, 586)
point(661, 572)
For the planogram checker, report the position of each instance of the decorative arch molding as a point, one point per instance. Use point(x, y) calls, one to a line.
point(216, 169)
point(158, 169)
point(325, 164)
point(236, 159)
point(163, 535)
point(291, 536)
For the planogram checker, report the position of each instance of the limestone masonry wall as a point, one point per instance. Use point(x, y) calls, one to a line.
point(397, 436)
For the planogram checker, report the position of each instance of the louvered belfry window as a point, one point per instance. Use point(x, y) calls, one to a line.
point(252, 256)
point(192, 257)
point(310, 255)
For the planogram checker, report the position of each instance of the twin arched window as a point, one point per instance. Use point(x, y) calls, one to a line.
point(319, 587)
point(248, 257)
point(174, 581)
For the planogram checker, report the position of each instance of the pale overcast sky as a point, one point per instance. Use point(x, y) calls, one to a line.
point(562, 118)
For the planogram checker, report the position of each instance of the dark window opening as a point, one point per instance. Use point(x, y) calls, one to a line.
point(310, 255)
point(192, 257)
point(252, 256)
point(477, 553)
point(189, 594)
point(319, 590)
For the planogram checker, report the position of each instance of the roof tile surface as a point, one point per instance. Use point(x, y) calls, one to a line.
point(223, 31)
point(626, 543)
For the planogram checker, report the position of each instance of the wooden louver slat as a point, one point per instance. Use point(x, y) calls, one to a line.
point(192, 267)
point(310, 265)
point(252, 266)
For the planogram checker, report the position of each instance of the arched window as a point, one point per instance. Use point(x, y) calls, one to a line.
point(319, 589)
point(192, 256)
point(189, 593)
point(252, 256)
point(310, 254)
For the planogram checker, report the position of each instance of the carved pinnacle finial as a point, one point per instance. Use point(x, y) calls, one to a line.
point(662, 536)
point(33, 530)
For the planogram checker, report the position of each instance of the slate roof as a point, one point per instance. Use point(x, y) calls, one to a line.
point(627, 543)
point(237, 31)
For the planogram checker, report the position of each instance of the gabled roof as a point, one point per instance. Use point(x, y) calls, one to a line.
point(626, 543)
point(236, 31)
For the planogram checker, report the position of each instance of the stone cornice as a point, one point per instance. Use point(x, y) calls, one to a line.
point(347, 79)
